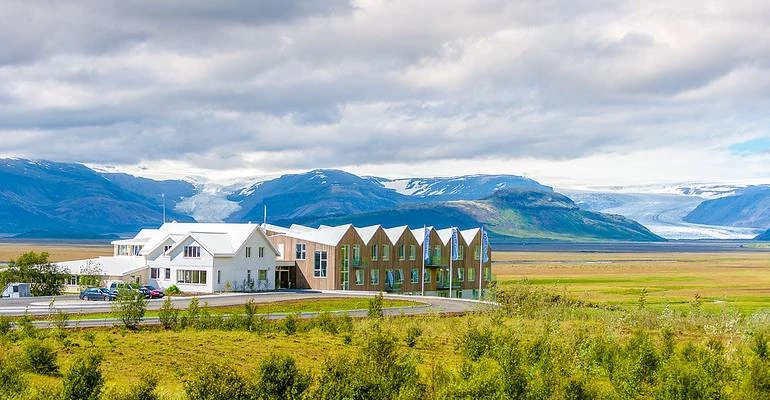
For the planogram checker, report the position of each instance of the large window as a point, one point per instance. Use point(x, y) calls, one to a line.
point(154, 273)
point(460, 252)
point(262, 275)
point(356, 255)
point(477, 253)
point(385, 252)
point(437, 252)
point(374, 276)
point(72, 280)
point(460, 274)
point(402, 252)
point(359, 277)
point(426, 276)
point(415, 275)
point(319, 267)
point(301, 252)
point(191, 276)
point(471, 274)
point(375, 251)
point(398, 276)
point(168, 274)
point(192, 251)
point(412, 252)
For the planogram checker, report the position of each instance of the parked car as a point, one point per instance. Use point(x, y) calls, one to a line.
point(98, 294)
point(155, 293)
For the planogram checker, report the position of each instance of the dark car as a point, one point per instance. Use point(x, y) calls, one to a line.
point(155, 293)
point(98, 294)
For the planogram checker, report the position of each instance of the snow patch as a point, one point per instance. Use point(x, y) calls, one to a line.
point(210, 205)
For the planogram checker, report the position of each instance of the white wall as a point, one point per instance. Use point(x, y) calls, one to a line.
point(234, 269)
point(177, 261)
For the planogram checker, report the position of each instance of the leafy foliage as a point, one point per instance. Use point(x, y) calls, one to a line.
point(39, 358)
point(129, 307)
point(47, 279)
point(168, 314)
point(83, 380)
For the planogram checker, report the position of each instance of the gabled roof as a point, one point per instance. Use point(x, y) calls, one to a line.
point(394, 234)
point(219, 239)
point(469, 234)
point(301, 228)
point(419, 234)
point(330, 236)
point(445, 235)
point(367, 233)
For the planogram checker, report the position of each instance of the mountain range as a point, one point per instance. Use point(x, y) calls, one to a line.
point(59, 199)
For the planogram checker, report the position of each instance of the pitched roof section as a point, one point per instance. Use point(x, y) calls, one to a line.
point(219, 239)
point(394, 234)
point(469, 234)
point(419, 234)
point(445, 235)
point(111, 266)
point(367, 233)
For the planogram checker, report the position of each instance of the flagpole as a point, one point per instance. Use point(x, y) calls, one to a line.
point(481, 260)
point(422, 290)
point(451, 249)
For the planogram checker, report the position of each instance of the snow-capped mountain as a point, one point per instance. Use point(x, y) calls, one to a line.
point(470, 187)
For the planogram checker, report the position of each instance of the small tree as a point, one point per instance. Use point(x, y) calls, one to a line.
point(47, 279)
point(83, 380)
point(91, 275)
point(168, 314)
point(279, 378)
point(40, 358)
point(214, 382)
point(129, 307)
point(375, 306)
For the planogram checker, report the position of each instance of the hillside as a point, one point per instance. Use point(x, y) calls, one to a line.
point(60, 197)
point(512, 215)
point(470, 187)
point(748, 207)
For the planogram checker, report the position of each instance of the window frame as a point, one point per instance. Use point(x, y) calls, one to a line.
point(321, 264)
point(300, 251)
point(248, 252)
point(374, 276)
point(192, 251)
point(202, 276)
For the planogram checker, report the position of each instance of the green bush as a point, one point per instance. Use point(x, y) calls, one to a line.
point(192, 314)
point(83, 380)
point(412, 334)
point(214, 382)
point(12, 381)
point(129, 307)
point(144, 389)
point(40, 358)
point(326, 323)
point(375, 306)
point(475, 342)
point(5, 325)
point(168, 314)
point(173, 289)
point(290, 325)
point(279, 378)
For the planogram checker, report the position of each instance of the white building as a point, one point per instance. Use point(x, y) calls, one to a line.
point(197, 258)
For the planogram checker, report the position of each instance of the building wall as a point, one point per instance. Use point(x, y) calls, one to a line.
point(176, 261)
point(305, 276)
point(231, 273)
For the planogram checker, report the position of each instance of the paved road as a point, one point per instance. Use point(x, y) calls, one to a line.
point(72, 305)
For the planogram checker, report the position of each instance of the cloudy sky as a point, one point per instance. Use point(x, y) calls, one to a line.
point(567, 92)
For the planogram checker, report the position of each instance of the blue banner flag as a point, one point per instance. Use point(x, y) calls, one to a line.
point(455, 245)
point(484, 246)
point(426, 245)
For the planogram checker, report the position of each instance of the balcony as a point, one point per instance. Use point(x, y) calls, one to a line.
point(435, 262)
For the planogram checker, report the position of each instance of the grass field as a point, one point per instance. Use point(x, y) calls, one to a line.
point(64, 252)
point(735, 280)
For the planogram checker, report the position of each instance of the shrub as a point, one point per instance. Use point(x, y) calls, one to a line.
point(412, 334)
point(191, 316)
point(129, 307)
point(144, 389)
point(214, 382)
point(326, 323)
point(475, 342)
point(11, 380)
point(173, 289)
point(279, 378)
point(375, 306)
point(168, 314)
point(40, 358)
point(5, 325)
point(25, 327)
point(290, 325)
point(83, 380)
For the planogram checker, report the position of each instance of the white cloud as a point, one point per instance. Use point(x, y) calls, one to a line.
point(582, 91)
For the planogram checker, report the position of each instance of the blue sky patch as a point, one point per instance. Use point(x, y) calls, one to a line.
point(753, 146)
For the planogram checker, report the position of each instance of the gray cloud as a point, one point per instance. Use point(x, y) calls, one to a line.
point(302, 84)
